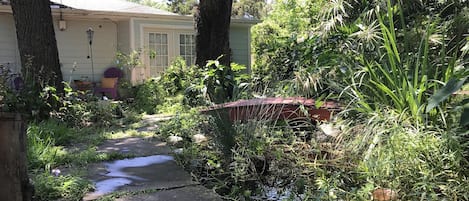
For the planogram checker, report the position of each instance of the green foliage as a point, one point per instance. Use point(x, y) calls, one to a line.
point(172, 105)
point(148, 96)
point(418, 164)
point(48, 187)
point(82, 110)
point(194, 96)
point(256, 9)
point(35, 98)
point(43, 143)
point(283, 43)
point(7, 92)
point(183, 124)
point(464, 119)
point(54, 130)
point(216, 83)
point(47, 142)
point(177, 77)
point(46, 151)
point(388, 62)
point(400, 79)
point(452, 86)
point(182, 7)
point(151, 3)
point(128, 61)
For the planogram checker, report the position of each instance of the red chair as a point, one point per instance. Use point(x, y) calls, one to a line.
point(109, 82)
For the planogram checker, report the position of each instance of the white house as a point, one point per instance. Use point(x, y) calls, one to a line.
point(122, 26)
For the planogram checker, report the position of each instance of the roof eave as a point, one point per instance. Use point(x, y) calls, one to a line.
point(108, 14)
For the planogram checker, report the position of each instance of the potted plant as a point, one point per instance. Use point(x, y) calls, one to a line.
point(127, 62)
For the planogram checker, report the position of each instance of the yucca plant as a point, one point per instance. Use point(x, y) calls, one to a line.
point(401, 80)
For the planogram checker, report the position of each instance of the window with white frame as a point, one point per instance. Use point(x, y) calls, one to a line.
point(187, 48)
point(158, 52)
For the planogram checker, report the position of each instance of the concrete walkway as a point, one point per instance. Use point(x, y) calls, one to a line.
point(152, 175)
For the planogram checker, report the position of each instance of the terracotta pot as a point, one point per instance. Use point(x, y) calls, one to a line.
point(384, 194)
point(15, 184)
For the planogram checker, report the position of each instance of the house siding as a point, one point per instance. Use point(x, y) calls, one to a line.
point(123, 36)
point(139, 24)
point(239, 36)
point(72, 44)
point(73, 47)
point(240, 45)
point(9, 55)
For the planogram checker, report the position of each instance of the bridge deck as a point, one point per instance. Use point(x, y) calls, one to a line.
point(277, 108)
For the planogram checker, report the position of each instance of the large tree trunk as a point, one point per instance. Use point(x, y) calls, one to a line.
point(37, 43)
point(213, 28)
point(213, 19)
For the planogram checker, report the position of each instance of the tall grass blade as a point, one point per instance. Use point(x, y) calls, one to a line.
point(464, 120)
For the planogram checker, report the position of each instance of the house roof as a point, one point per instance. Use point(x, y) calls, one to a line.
point(120, 6)
point(116, 8)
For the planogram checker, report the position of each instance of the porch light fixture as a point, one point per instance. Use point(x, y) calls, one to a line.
point(62, 22)
point(90, 34)
point(62, 25)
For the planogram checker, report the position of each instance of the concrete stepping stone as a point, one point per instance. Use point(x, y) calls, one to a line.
point(135, 146)
point(189, 193)
point(137, 174)
point(154, 171)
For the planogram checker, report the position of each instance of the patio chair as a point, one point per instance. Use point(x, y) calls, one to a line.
point(109, 82)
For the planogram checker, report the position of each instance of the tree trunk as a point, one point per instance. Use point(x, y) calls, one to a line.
point(37, 43)
point(213, 19)
point(14, 182)
point(212, 31)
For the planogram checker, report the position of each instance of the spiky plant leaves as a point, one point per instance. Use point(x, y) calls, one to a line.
point(452, 86)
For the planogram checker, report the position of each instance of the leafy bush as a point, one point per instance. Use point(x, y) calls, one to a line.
point(172, 105)
point(282, 43)
point(183, 124)
point(216, 83)
point(243, 161)
point(43, 144)
point(31, 95)
point(83, 110)
point(177, 77)
point(385, 59)
point(149, 95)
point(48, 187)
point(418, 165)
point(58, 131)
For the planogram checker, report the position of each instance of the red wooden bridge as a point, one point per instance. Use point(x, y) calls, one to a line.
point(277, 109)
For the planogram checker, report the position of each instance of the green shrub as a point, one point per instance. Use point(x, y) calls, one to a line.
point(58, 131)
point(80, 109)
point(48, 187)
point(418, 164)
point(215, 83)
point(149, 95)
point(183, 124)
point(172, 105)
point(177, 77)
point(103, 113)
point(43, 139)
point(240, 160)
point(194, 96)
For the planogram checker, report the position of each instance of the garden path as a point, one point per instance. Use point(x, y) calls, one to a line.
point(152, 175)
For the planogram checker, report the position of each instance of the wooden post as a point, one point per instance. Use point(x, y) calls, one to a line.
point(14, 181)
